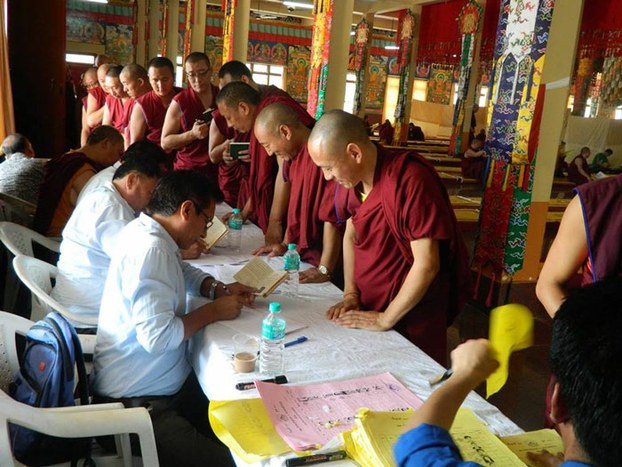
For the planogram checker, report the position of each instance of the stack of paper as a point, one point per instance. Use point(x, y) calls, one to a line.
point(371, 441)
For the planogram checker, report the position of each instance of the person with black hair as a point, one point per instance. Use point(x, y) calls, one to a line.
point(585, 358)
point(141, 355)
point(186, 124)
point(91, 233)
point(117, 101)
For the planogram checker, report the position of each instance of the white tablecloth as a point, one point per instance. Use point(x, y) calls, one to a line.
point(331, 352)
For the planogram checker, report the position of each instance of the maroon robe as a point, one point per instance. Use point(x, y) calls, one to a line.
point(309, 192)
point(154, 113)
point(601, 202)
point(264, 168)
point(409, 202)
point(100, 96)
point(196, 154)
point(231, 177)
point(573, 171)
point(58, 172)
point(118, 111)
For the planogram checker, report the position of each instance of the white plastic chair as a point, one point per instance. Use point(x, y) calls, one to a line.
point(37, 275)
point(16, 210)
point(18, 240)
point(68, 422)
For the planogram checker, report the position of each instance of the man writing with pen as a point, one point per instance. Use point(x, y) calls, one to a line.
point(143, 331)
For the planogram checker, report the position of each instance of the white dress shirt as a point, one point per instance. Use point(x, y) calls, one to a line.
point(89, 238)
point(140, 348)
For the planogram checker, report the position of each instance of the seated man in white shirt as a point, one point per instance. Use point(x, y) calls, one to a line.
point(141, 355)
point(91, 232)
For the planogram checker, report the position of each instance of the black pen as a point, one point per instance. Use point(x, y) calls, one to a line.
point(316, 458)
point(281, 379)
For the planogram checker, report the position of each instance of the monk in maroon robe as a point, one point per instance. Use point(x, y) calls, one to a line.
point(118, 102)
point(185, 126)
point(405, 262)
point(233, 173)
point(280, 131)
point(239, 103)
point(147, 118)
point(96, 99)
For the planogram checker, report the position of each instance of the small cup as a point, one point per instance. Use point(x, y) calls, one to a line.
point(245, 355)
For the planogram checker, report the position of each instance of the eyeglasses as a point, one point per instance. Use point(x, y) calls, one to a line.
point(196, 74)
point(208, 220)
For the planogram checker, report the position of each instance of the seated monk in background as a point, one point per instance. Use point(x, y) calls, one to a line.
point(279, 130)
point(65, 176)
point(474, 162)
point(405, 262)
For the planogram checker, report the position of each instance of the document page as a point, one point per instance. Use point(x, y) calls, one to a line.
point(258, 274)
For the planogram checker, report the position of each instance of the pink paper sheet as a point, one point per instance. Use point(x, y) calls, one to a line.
point(309, 416)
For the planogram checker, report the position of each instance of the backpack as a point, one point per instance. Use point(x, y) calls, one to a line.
point(46, 379)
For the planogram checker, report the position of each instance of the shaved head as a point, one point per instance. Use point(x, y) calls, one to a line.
point(275, 115)
point(135, 71)
point(336, 129)
point(91, 73)
point(236, 92)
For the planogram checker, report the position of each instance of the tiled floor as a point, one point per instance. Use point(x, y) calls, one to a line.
point(522, 398)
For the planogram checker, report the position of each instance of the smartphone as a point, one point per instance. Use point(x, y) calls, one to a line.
point(207, 116)
point(236, 148)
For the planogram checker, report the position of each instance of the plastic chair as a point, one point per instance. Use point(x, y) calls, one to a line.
point(14, 209)
point(37, 275)
point(19, 241)
point(68, 422)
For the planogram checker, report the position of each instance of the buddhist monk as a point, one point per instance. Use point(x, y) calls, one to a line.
point(240, 104)
point(185, 125)
point(117, 101)
point(65, 176)
point(147, 117)
point(233, 173)
point(405, 263)
point(135, 83)
point(279, 130)
point(97, 98)
point(89, 82)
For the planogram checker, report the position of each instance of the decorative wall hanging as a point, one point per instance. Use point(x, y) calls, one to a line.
point(514, 121)
point(228, 7)
point(298, 58)
point(440, 84)
point(468, 25)
point(362, 35)
point(164, 7)
point(404, 38)
point(318, 77)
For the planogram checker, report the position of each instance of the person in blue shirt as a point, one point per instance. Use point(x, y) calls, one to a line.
point(586, 350)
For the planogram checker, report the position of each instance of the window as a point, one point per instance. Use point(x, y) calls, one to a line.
point(87, 59)
point(420, 90)
point(482, 102)
point(617, 113)
point(588, 108)
point(391, 94)
point(570, 105)
point(455, 93)
point(179, 72)
point(268, 74)
point(348, 103)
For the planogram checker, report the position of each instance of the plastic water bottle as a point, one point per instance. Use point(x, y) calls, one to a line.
point(272, 336)
point(235, 230)
point(291, 263)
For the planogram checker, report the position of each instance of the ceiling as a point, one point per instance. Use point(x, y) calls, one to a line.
point(384, 19)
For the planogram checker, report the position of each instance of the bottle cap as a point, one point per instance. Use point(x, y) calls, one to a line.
point(291, 246)
point(236, 211)
point(275, 307)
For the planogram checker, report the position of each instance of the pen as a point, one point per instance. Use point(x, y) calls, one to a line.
point(316, 458)
point(441, 377)
point(281, 379)
point(300, 340)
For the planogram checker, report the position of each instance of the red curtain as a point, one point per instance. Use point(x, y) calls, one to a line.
point(601, 29)
point(439, 39)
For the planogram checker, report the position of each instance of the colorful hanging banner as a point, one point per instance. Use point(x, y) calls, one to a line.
point(440, 84)
point(514, 122)
point(228, 7)
point(468, 25)
point(318, 77)
point(404, 38)
point(362, 35)
point(189, 19)
point(164, 7)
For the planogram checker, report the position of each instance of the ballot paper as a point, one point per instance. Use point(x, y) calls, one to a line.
point(534, 441)
point(258, 274)
point(511, 329)
point(309, 416)
point(214, 234)
point(371, 441)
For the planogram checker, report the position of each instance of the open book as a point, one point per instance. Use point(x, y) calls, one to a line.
point(213, 235)
point(258, 274)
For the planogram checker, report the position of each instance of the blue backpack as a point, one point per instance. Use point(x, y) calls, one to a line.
point(46, 379)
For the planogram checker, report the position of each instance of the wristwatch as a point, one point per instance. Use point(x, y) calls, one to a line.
point(211, 294)
point(323, 270)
